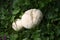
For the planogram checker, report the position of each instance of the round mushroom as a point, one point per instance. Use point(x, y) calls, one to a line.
point(31, 18)
point(17, 25)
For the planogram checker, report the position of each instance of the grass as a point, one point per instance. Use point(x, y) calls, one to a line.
point(48, 29)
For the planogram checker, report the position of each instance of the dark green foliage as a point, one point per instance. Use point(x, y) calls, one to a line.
point(49, 28)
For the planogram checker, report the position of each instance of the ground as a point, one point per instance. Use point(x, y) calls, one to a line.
point(48, 29)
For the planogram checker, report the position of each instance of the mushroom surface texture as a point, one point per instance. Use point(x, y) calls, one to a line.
point(17, 25)
point(31, 18)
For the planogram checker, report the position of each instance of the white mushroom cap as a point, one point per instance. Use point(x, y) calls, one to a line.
point(17, 25)
point(31, 18)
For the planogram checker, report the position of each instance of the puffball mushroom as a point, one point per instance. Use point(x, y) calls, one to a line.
point(31, 18)
point(17, 25)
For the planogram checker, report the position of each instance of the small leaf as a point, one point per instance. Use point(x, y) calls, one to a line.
point(16, 11)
